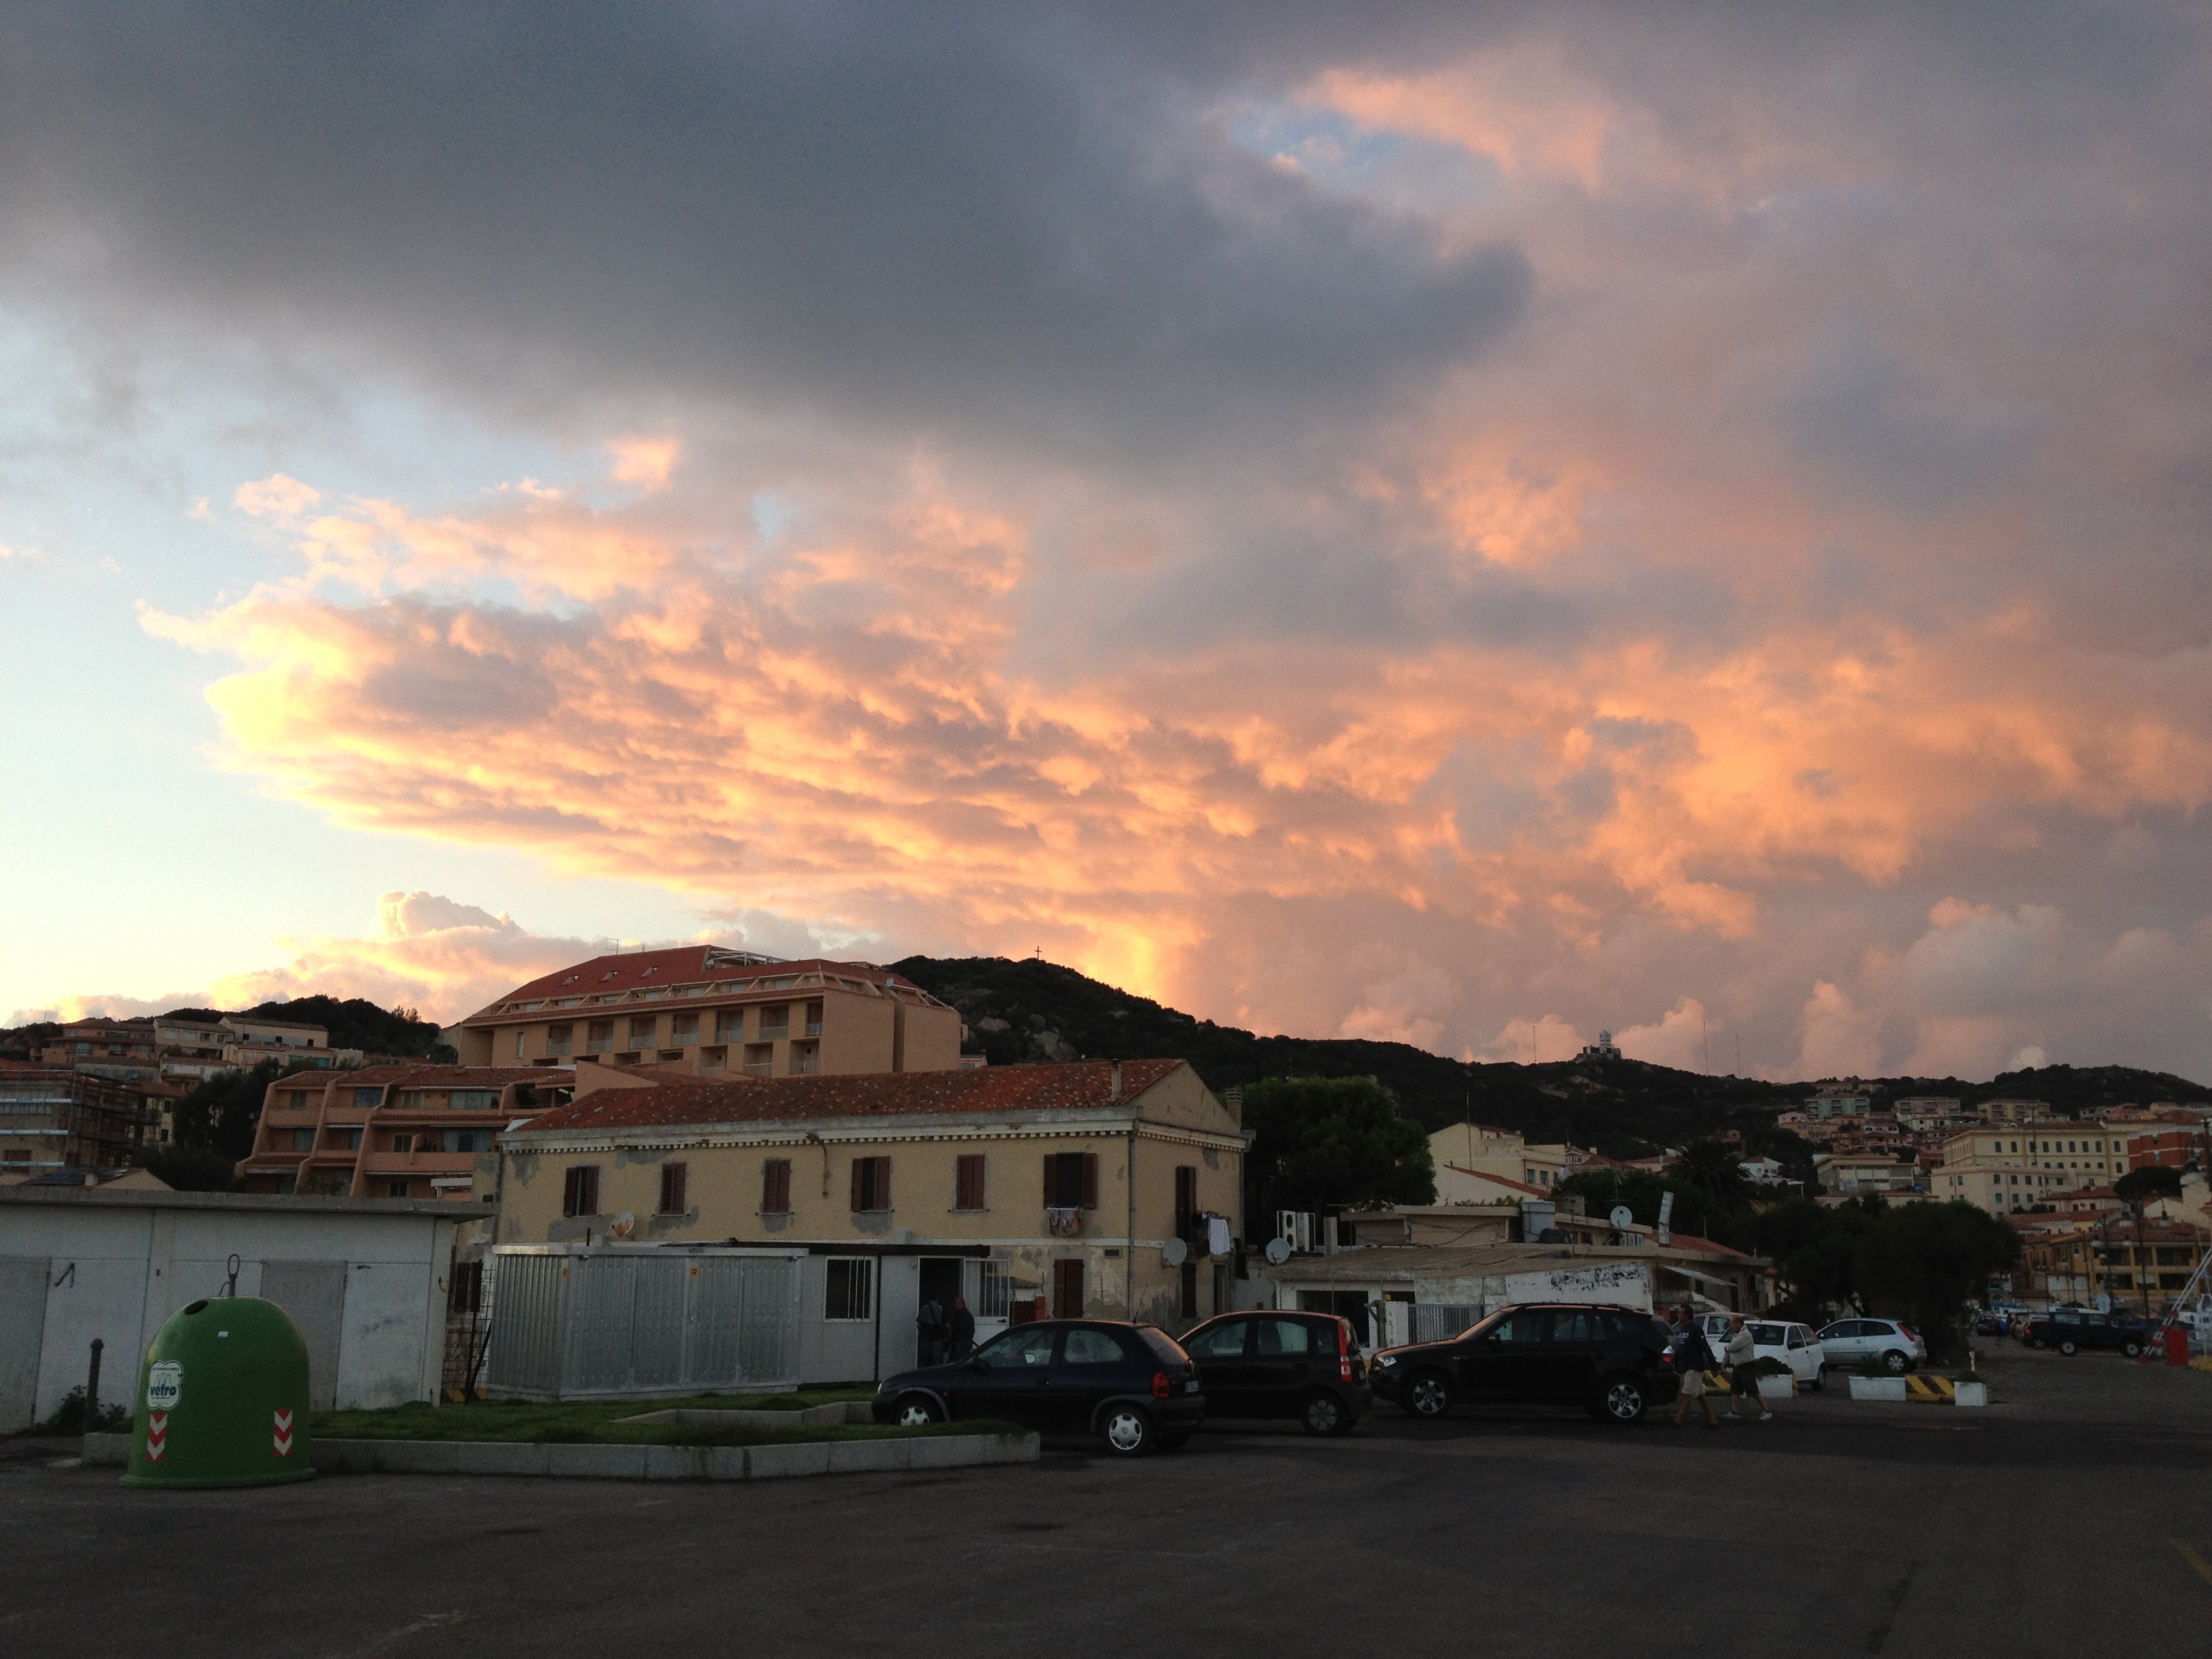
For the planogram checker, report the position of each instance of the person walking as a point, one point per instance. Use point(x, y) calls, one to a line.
point(929, 1332)
point(964, 1329)
point(1742, 1357)
point(1685, 1348)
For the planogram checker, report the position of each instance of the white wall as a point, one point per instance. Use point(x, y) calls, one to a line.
point(117, 1271)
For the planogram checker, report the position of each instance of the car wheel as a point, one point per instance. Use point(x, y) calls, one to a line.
point(1175, 1441)
point(2131, 1349)
point(1426, 1393)
point(1621, 1398)
point(1820, 1380)
point(918, 1410)
point(2067, 1345)
point(1322, 1413)
point(1126, 1430)
point(1896, 1361)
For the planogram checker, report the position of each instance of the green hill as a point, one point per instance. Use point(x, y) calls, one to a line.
point(1027, 1010)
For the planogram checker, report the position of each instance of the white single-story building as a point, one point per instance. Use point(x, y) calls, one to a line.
point(365, 1279)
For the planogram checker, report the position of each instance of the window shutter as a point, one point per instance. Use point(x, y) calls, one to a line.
point(1090, 1181)
point(860, 1174)
point(883, 1183)
point(1051, 1180)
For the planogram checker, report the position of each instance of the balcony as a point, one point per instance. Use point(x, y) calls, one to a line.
point(1062, 1222)
point(814, 1028)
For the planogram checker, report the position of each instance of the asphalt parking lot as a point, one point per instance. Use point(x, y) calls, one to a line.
point(2074, 1517)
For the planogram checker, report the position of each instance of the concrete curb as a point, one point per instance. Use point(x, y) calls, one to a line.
point(574, 1462)
point(842, 1411)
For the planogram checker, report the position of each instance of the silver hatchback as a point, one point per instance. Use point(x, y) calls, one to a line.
point(1891, 1342)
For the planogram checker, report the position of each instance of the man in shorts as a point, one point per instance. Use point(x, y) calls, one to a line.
point(1742, 1355)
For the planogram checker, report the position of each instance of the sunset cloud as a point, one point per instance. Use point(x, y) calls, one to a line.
point(1464, 531)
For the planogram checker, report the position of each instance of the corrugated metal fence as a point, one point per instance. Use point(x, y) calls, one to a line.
point(1439, 1321)
point(571, 1322)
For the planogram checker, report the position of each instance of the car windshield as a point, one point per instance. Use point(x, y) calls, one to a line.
point(1769, 1335)
point(1023, 1345)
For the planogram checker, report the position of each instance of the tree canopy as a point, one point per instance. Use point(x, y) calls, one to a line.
point(1324, 1143)
point(2152, 1181)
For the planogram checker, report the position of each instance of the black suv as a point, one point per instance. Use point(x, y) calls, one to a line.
point(1131, 1385)
point(2069, 1330)
point(1282, 1365)
point(1611, 1362)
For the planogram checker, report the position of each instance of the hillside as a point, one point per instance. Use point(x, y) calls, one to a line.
point(354, 1022)
point(1033, 1010)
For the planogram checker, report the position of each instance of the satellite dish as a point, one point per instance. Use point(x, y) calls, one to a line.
point(1173, 1252)
point(1279, 1250)
point(624, 1225)
point(1623, 1218)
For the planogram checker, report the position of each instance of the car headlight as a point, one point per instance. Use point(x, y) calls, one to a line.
point(1386, 1360)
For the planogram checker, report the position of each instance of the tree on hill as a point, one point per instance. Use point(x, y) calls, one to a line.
point(1326, 1143)
point(1921, 1262)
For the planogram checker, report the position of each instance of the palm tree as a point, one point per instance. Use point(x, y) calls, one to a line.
point(1707, 1170)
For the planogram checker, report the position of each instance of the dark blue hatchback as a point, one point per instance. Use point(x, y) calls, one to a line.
point(1131, 1385)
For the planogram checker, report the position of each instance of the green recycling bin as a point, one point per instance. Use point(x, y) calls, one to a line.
point(222, 1398)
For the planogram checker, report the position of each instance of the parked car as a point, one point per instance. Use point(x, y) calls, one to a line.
point(1854, 1341)
point(2069, 1330)
point(1794, 1345)
point(1282, 1365)
point(1610, 1361)
point(1131, 1385)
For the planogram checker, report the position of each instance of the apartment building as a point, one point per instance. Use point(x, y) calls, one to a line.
point(119, 1048)
point(412, 1131)
point(706, 1011)
point(1049, 1188)
point(56, 1117)
point(2031, 1162)
point(1479, 1149)
point(2142, 1264)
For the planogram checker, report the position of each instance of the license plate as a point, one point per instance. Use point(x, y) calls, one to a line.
point(1191, 1387)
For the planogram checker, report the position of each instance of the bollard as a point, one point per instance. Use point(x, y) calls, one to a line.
point(2176, 1344)
point(92, 1390)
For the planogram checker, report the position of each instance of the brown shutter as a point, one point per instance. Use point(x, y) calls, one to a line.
point(884, 1184)
point(860, 1174)
point(1051, 1180)
point(1090, 1181)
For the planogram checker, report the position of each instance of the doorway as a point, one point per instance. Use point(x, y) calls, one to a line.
point(940, 1283)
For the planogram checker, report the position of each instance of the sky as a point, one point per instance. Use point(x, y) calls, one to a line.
point(1470, 526)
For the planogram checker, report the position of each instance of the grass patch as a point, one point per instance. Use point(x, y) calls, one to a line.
point(598, 1423)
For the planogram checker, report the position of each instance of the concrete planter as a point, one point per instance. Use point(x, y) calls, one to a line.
point(582, 1463)
point(1970, 1393)
point(1777, 1388)
point(1879, 1388)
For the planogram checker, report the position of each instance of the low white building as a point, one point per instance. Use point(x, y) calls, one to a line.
point(365, 1279)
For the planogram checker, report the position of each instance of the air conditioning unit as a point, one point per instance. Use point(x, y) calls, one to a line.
point(1296, 1225)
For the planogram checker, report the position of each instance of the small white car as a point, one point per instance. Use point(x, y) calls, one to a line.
point(1794, 1345)
point(1891, 1341)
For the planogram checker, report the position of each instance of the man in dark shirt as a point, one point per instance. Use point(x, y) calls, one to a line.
point(929, 1332)
point(964, 1329)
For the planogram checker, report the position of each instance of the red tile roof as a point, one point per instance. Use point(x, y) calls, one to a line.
point(1073, 1086)
point(685, 964)
point(1502, 1181)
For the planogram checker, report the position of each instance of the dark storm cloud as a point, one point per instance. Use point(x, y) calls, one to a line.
point(995, 217)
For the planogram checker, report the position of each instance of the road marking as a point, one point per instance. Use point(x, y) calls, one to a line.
point(2204, 1567)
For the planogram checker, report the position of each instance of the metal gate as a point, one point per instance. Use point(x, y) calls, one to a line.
point(578, 1323)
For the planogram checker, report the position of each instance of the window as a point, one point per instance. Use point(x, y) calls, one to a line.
point(1222, 1342)
point(560, 1039)
point(730, 1025)
point(368, 1097)
point(395, 1188)
point(599, 1035)
point(967, 1182)
point(1019, 1350)
point(299, 1099)
point(580, 1196)
point(683, 1029)
point(1071, 1181)
point(871, 1184)
point(521, 1045)
point(468, 1140)
point(303, 1140)
point(805, 1059)
point(673, 1179)
point(465, 1292)
point(350, 1139)
point(851, 1293)
point(1084, 1346)
point(1186, 1199)
point(473, 1100)
point(776, 1186)
point(1279, 1337)
point(760, 1060)
point(1067, 1288)
point(814, 1019)
point(644, 1030)
point(403, 1143)
point(775, 1022)
point(994, 1298)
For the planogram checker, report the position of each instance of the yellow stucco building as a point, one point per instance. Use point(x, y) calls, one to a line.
point(1052, 1189)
